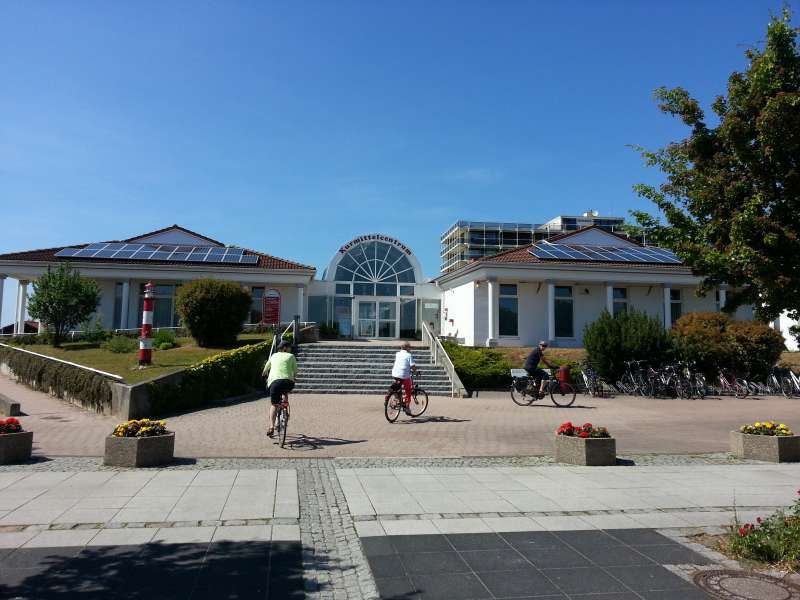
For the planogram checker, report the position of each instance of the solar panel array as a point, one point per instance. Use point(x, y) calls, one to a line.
point(633, 254)
point(163, 252)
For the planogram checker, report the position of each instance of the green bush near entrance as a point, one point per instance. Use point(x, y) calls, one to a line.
point(610, 341)
point(213, 311)
point(479, 368)
point(225, 375)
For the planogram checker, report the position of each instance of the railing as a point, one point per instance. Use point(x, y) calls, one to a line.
point(440, 357)
point(66, 362)
point(294, 326)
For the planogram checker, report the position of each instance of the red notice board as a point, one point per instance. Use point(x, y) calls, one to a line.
point(271, 307)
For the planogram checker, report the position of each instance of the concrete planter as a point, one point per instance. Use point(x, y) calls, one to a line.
point(139, 452)
point(593, 452)
point(769, 448)
point(15, 447)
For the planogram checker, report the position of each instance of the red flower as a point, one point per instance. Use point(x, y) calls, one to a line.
point(587, 425)
point(742, 531)
point(584, 434)
point(758, 520)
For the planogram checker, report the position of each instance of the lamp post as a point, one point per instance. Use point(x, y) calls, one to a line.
point(145, 339)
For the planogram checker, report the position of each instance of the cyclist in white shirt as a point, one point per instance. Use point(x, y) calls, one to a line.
point(404, 365)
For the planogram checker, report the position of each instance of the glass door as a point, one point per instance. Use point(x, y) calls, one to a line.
point(387, 319)
point(367, 318)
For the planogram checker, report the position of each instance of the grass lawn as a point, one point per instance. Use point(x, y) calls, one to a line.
point(125, 365)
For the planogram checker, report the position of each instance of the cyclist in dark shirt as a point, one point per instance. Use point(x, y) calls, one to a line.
point(532, 366)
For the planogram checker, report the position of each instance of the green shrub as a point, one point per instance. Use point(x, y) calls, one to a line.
point(774, 539)
point(329, 332)
point(628, 335)
point(26, 340)
point(231, 373)
point(165, 346)
point(213, 311)
point(759, 347)
point(91, 389)
point(714, 340)
point(479, 368)
point(165, 336)
point(121, 344)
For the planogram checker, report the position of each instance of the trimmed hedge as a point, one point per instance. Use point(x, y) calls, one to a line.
point(90, 389)
point(213, 311)
point(487, 369)
point(231, 373)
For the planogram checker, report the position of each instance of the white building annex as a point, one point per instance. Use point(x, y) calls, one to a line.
point(374, 286)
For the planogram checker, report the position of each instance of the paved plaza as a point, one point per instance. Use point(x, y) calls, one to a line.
point(491, 424)
point(465, 503)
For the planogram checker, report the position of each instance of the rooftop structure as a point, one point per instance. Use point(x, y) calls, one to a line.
point(466, 241)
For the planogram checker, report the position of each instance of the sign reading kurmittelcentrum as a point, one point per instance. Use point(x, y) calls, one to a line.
point(375, 237)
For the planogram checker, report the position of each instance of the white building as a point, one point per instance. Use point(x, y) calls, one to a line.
point(554, 288)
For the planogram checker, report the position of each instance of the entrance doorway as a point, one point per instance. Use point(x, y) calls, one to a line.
point(378, 318)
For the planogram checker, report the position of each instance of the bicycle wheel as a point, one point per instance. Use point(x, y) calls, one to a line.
point(787, 387)
point(521, 397)
point(740, 390)
point(562, 394)
point(419, 402)
point(700, 386)
point(284, 419)
point(392, 405)
point(683, 387)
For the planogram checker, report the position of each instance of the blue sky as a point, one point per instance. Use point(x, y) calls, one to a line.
point(291, 127)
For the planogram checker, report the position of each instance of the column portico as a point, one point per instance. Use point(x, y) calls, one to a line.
point(22, 304)
point(300, 302)
point(2, 283)
point(491, 302)
point(667, 308)
point(610, 299)
point(551, 311)
point(723, 297)
point(126, 296)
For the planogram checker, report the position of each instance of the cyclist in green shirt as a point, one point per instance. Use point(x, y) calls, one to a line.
point(282, 369)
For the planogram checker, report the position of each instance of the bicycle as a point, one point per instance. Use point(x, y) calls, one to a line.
point(282, 419)
point(525, 389)
point(393, 402)
point(595, 386)
point(732, 386)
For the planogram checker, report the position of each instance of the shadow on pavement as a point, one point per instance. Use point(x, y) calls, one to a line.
point(234, 570)
point(304, 442)
point(437, 419)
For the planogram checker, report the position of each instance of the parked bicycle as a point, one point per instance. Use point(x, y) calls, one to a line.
point(525, 389)
point(730, 384)
point(596, 386)
point(393, 403)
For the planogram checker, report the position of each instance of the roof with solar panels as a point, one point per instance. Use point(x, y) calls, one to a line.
point(168, 246)
point(590, 246)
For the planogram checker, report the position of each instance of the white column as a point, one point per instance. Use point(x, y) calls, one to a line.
point(22, 303)
point(610, 299)
point(300, 289)
point(723, 297)
point(126, 300)
point(551, 311)
point(491, 301)
point(2, 283)
point(667, 308)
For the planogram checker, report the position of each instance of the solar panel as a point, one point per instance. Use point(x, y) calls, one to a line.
point(646, 254)
point(161, 252)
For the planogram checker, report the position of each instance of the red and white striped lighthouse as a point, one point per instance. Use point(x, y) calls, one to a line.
point(146, 340)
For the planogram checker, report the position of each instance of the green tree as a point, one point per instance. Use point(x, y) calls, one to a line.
point(731, 199)
point(213, 311)
point(62, 299)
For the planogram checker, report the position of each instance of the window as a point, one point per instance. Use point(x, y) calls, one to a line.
point(375, 262)
point(364, 289)
point(676, 309)
point(343, 288)
point(164, 314)
point(117, 306)
point(256, 314)
point(620, 300)
point(508, 310)
point(385, 289)
point(406, 290)
point(563, 311)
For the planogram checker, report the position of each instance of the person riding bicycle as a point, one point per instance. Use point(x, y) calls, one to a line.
point(282, 369)
point(532, 366)
point(403, 366)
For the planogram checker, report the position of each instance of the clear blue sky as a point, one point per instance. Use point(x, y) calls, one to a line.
point(291, 127)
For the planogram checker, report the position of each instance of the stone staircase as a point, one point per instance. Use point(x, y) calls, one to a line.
point(353, 369)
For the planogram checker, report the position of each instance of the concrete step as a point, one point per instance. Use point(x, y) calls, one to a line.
point(424, 375)
point(371, 392)
point(363, 356)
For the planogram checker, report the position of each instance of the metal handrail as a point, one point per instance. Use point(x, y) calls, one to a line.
point(440, 357)
point(276, 339)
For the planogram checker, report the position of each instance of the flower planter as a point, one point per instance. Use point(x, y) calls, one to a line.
point(15, 447)
point(139, 451)
point(769, 448)
point(586, 451)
